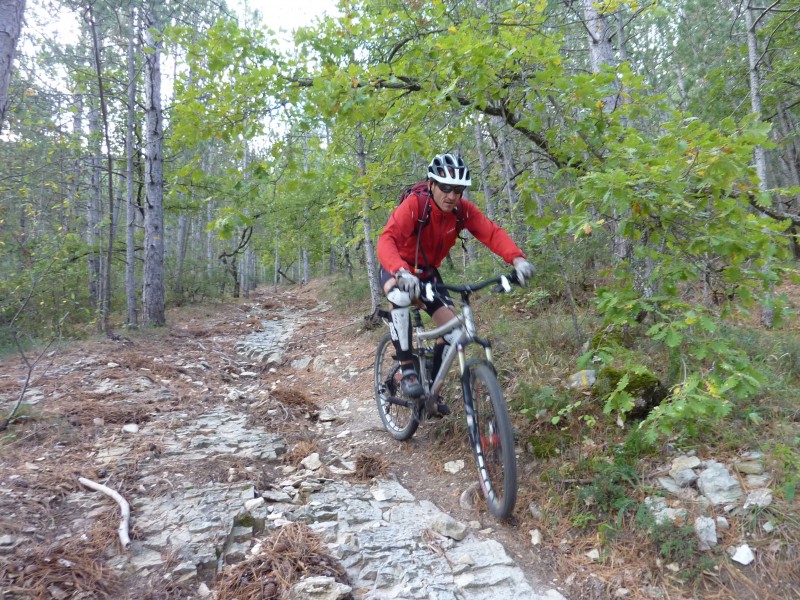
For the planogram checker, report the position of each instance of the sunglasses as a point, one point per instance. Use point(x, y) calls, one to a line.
point(459, 189)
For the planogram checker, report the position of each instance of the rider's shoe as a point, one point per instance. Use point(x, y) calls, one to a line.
point(410, 384)
point(442, 408)
point(436, 410)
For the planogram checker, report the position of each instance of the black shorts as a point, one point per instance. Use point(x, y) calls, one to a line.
point(432, 275)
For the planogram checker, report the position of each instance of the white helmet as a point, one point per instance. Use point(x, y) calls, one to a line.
point(449, 169)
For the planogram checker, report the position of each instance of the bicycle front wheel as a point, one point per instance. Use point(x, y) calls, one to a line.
point(396, 410)
point(492, 439)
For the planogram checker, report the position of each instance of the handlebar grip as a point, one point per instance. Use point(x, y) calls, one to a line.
point(510, 278)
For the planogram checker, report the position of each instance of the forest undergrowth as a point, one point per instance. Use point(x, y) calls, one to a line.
point(585, 472)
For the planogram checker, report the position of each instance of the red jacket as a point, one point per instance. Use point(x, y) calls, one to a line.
point(397, 245)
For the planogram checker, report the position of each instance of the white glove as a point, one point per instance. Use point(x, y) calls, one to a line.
point(524, 270)
point(406, 282)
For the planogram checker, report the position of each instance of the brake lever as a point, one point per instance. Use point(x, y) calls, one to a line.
point(505, 283)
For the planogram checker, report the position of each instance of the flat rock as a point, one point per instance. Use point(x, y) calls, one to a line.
point(718, 485)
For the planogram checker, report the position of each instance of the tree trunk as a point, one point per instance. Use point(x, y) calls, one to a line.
point(759, 156)
point(130, 229)
point(601, 52)
point(369, 252)
point(153, 296)
point(276, 277)
point(209, 242)
point(105, 299)
point(791, 162)
point(755, 92)
point(485, 170)
point(11, 12)
point(93, 211)
point(180, 258)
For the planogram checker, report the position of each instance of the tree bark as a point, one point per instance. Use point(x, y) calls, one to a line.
point(483, 161)
point(93, 211)
point(153, 296)
point(130, 229)
point(759, 155)
point(601, 52)
point(276, 277)
point(180, 258)
point(105, 298)
point(369, 252)
point(11, 12)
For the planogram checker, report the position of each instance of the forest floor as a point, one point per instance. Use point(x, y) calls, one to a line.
point(79, 392)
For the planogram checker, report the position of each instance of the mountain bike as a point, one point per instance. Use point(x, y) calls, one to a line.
point(488, 424)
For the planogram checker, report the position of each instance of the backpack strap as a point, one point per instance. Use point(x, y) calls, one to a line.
point(424, 199)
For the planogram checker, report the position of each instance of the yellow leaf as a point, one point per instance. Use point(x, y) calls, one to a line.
point(452, 29)
point(690, 320)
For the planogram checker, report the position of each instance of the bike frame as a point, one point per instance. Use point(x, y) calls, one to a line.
point(467, 335)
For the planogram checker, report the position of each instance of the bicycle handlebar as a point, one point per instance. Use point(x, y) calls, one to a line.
point(502, 285)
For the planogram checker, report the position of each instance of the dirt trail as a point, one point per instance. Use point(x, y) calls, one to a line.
point(315, 393)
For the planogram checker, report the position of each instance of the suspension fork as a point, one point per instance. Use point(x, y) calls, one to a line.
point(466, 388)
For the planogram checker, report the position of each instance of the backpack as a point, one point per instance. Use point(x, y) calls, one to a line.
point(424, 210)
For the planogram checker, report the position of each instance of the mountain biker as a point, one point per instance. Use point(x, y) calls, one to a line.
point(413, 246)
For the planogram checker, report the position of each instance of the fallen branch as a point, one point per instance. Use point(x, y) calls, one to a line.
point(124, 507)
point(287, 277)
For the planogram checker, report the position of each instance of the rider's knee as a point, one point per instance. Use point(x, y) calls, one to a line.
point(399, 298)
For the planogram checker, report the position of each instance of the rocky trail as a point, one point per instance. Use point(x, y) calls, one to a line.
point(240, 435)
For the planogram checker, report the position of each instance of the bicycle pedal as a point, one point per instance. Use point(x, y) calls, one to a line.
point(430, 408)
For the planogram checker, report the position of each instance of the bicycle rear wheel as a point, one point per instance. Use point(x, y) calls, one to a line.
point(492, 439)
point(396, 410)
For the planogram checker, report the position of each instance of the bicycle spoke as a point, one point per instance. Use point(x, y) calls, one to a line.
point(493, 442)
point(396, 411)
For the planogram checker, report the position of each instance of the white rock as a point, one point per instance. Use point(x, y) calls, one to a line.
point(743, 554)
point(593, 554)
point(706, 530)
point(449, 527)
point(98, 421)
point(468, 498)
point(536, 512)
point(759, 498)
point(130, 428)
point(718, 485)
point(327, 415)
point(454, 466)
point(339, 471)
point(682, 463)
point(312, 462)
point(320, 587)
point(253, 503)
point(536, 537)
